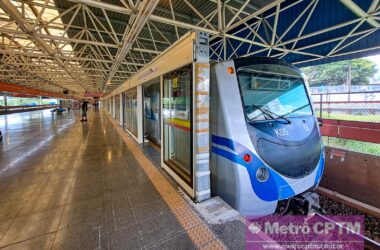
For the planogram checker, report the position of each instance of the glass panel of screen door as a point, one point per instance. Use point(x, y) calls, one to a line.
point(177, 116)
point(131, 111)
point(117, 107)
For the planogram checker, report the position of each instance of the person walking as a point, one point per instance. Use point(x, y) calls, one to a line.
point(84, 110)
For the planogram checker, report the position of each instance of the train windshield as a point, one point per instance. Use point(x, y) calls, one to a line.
point(272, 92)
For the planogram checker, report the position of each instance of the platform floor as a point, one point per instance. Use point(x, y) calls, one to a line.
point(65, 184)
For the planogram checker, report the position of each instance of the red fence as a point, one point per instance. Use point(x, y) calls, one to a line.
point(352, 130)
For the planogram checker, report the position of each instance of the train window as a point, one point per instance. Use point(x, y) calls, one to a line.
point(177, 117)
point(276, 92)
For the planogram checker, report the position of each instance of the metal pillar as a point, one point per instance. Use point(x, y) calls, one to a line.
point(201, 122)
point(113, 107)
point(5, 101)
point(121, 109)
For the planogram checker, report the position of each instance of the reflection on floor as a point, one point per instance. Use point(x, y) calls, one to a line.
point(71, 185)
point(66, 184)
point(152, 152)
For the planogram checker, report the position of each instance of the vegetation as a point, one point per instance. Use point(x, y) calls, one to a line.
point(348, 117)
point(20, 101)
point(359, 71)
point(357, 146)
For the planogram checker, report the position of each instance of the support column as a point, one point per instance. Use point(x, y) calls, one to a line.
point(121, 108)
point(113, 107)
point(40, 100)
point(5, 101)
point(201, 122)
point(140, 129)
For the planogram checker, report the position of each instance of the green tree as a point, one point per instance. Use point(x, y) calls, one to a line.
point(337, 73)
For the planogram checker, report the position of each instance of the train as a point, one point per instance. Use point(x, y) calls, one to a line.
point(262, 147)
point(265, 140)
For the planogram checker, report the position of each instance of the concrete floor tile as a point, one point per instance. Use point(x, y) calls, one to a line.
point(230, 235)
point(89, 213)
point(159, 228)
point(31, 226)
point(118, 185)
point(4, 226)
point(180, 241)
point(122, 243)
point(80, 238)
point(119, 214)
point(142, 196)
point(10, 209)
point(149, 210)
point(42, 242)
point(73, 185)
point(41, 203)
point(80, 192)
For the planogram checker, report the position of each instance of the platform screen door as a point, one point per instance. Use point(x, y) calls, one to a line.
point(177, 120)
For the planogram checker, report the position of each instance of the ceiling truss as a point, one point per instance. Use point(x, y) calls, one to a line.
point(93, 46)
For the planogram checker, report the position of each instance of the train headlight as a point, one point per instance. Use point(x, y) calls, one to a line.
point(262, 174)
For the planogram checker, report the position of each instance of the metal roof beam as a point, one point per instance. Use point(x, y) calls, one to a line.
point(360, 13)
point(41, 55)
point(106, 6)
point(189, 26)
point(145, 10)
point(25, 26)
point(47, 24)
point(80, 41)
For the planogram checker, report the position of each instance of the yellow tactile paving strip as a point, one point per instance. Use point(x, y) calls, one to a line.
point(195, 227)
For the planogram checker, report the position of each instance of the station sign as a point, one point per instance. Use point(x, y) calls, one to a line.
point(93, 95)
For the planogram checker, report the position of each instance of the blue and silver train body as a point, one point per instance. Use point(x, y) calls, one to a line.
point(266, 143)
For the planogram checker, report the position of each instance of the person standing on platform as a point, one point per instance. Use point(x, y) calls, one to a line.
point(84, 110)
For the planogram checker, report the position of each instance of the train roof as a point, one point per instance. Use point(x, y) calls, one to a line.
point(252, 60)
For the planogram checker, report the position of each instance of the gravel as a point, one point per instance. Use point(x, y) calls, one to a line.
point(332, 207)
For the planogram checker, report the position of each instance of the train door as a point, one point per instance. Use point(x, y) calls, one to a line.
point(152, 112)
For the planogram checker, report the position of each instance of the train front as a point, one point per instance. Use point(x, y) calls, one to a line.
point(283, 156)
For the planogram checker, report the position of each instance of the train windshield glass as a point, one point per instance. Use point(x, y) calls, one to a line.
point(272, 92)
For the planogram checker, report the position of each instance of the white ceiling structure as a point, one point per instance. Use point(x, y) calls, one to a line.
point(93, 46)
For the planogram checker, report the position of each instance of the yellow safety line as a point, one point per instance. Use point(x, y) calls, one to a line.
point(195, 227)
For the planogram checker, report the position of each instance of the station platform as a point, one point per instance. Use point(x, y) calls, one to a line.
point(66, 184)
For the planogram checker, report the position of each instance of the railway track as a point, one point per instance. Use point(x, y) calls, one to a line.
point(368, 242)
point(334, 207)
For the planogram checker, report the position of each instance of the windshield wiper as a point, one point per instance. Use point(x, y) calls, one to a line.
point(270, 113)
point(264, 111)
point(294, 110)
point(278, 116)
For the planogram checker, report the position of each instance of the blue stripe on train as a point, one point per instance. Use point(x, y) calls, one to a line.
point(268, 190)
point(321, 167)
